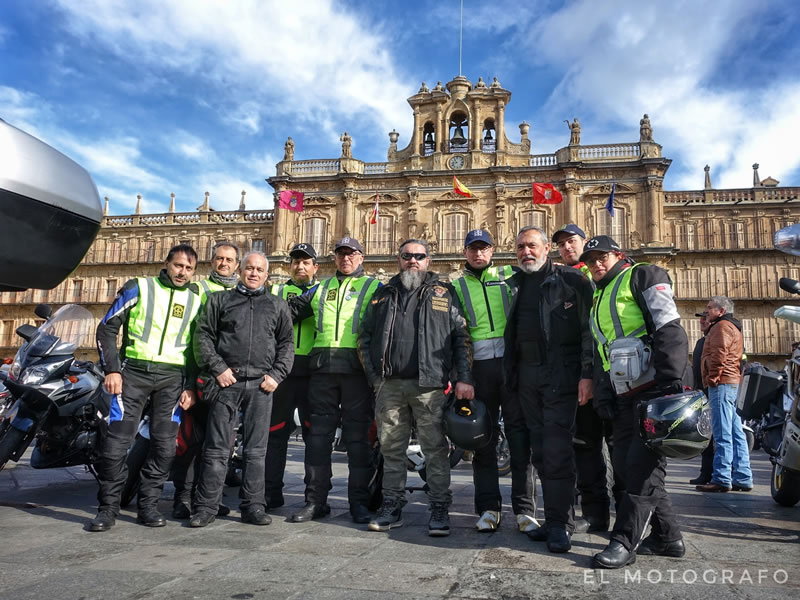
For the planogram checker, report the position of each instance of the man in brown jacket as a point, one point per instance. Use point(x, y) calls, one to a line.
point(722, 353)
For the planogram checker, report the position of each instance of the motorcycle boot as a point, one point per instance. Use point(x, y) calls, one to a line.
point(558, 540)
point(150, 517)
point(201, 519)
point(439, 523)
point(489, 521)
point(309, 512)
point(104, 521)
point(181, 511)
point(615, 556)
point(390, 515)
point(256, 517)
point(653, 545)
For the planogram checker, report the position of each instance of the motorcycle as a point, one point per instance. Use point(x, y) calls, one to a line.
point(57, 400)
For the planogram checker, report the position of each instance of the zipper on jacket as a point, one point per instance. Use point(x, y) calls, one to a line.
point(597, 319)
point(250, 339)
point(164, 331)
point(339, 303)
point(486, 300)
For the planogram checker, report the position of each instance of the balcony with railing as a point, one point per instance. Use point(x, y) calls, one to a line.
point(201, 217)
point(744, 240)
point(733, 196)
point(752, 288)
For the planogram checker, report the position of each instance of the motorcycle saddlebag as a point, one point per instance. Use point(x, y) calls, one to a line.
point(760, 387)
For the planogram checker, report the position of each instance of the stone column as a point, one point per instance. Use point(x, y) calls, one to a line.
point(500, 127)
point(655, 212)
point(571, 204)
point(415, 134)
point(278, 233)
point(348, 221)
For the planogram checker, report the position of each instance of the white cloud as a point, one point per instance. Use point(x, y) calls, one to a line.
point(189, 146)
point(260, 59)
point(225, 192)
point(621, 61)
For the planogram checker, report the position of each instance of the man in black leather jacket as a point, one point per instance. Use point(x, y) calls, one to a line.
point(548, 362)
point(244, 338)
point(413, 340)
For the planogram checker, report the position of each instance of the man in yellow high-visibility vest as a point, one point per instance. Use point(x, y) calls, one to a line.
point(156, 315)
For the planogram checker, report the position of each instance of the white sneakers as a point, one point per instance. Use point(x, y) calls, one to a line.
point(526, 523)
point(489, 521)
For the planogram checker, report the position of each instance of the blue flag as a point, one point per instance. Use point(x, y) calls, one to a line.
point(610, 202)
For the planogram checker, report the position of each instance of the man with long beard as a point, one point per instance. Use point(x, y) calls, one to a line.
point(548, 363)
point(413, 335)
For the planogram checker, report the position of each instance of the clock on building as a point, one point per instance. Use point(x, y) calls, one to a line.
point(457, 162)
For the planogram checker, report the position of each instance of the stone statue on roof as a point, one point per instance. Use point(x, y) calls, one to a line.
point(347, 142)
point(288, 149)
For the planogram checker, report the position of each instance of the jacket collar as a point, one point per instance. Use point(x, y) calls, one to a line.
point(613, 272)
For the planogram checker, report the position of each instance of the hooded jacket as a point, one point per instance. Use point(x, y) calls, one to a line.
point(445, 349)
point(722, 352)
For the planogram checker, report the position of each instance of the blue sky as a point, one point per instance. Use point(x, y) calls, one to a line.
point(188, 96)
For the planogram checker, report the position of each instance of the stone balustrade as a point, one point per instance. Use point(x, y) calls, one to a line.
point(327, 166)
point(733, 196)
point(238, 216)
point(543, 160)
point(606, 152)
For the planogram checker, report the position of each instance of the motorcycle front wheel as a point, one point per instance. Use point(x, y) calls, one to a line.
point(785, 486)
point(9, 442)
point(503, 456)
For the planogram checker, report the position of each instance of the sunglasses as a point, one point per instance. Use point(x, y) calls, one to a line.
point(419, 256)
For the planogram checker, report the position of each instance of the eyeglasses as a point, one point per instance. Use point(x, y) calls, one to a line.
point(418, 256)
point(479, 250)
point(597, 260)
point(350, 254)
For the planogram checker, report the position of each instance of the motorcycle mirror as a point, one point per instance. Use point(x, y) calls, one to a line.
point(788, 240)
point(790, 285)
point(43, 311)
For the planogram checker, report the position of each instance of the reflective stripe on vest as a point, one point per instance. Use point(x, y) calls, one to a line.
point(159, 323)
point(615, 313)
point(209, 287)
point(304, 330)
point(339, 309)
point(487, 306)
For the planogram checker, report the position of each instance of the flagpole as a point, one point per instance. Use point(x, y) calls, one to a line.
point(460, 36)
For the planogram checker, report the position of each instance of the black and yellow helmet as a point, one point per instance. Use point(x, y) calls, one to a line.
point(676, 426)
point(467, 423)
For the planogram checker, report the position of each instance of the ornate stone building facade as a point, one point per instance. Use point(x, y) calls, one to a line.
point(713, 242)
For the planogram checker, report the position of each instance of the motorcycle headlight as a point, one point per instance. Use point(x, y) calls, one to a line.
point(34, 376)
point(16, 367)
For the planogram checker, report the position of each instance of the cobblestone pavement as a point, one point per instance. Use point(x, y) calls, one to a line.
point(739, 545)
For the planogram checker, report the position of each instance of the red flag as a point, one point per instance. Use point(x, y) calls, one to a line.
point(291, 200)
point(460, 189)
point(545, 193)
point(373, 217)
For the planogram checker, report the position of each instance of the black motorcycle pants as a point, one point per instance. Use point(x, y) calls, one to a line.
point(256, 406)
point(550, 415)
point(489, 389)
point(334, 397)
point(162, 386)
point(645, 499)
point(291, 393)
point(590, 433)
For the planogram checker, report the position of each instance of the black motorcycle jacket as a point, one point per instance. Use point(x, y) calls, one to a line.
point(566, 298)
point(249, 332)
point(445, 347)
point(652, 290)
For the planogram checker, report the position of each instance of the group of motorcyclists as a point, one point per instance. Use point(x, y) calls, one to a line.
point(537, 340)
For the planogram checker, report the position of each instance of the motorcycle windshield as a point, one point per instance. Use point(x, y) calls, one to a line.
point(70, 327)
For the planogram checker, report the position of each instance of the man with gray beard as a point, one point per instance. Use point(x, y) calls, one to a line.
point(413, 335)
point(548, 363)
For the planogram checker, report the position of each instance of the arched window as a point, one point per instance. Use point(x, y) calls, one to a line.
point(454, 230)
point(381, 236)
point(315, 233)
point(428, 139)
point(489, 138)
point(459, 132)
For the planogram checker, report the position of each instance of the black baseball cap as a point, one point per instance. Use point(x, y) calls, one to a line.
point(348, 242)
point(702, 314)
point(599, 243)
point(303, 250)
point(569, 228)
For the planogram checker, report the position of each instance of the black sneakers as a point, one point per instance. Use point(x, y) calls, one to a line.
point(439, 523)
point(390, 515)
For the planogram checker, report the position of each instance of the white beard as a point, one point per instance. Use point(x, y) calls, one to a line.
point(532, 267)
point(412, 278)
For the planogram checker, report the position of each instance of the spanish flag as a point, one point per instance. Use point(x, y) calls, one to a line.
point(373, 217)
point(460, 189)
